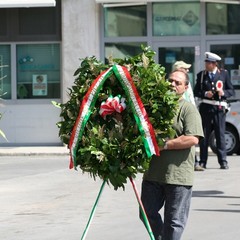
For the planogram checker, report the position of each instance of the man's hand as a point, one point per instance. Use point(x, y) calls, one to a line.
point(220, 93)
point(209, 94)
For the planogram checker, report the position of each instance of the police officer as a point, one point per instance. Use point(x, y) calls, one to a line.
point(213, 86)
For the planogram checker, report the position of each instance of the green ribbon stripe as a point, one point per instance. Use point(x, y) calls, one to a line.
point(91, 104)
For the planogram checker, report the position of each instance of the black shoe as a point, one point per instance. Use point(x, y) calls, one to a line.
point(203, 165)
point(224, 166)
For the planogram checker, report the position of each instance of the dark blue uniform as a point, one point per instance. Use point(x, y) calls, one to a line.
point(213, 113)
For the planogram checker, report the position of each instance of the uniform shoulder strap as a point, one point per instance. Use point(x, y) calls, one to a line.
point(203, 72)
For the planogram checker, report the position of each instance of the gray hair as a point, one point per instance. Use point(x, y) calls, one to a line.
point(185, 74)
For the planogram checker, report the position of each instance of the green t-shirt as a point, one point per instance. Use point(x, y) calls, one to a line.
point(177, 166)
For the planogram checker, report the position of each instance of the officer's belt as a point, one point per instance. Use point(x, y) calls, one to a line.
point(217, 103)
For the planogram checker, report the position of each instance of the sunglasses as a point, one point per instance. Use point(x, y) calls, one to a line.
point(177, 83)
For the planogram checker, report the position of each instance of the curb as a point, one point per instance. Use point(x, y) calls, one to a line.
point(34, 151)
point(47, 151)
point(33, 154)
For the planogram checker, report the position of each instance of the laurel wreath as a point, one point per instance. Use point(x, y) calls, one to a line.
point(112, 147)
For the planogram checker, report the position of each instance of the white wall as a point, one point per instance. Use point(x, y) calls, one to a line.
point(30, 124)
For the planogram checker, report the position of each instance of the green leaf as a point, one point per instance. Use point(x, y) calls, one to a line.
point(56, 104)
point(3, 135)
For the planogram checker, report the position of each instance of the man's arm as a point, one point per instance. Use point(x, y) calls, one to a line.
point(181, 142)
point(229, 89)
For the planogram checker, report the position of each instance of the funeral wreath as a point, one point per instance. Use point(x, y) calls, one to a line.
point(110, 109)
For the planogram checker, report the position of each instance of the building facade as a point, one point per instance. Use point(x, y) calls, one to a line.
point(41, 47)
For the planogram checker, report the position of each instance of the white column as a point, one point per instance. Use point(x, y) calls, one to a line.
point(80, 37)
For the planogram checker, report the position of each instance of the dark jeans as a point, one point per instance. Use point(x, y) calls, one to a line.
point(177, 200)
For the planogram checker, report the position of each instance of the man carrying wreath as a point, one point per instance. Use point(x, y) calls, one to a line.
point(168, 181)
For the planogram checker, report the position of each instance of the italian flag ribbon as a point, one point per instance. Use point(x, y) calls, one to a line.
point(139, 112)
point(116, 104)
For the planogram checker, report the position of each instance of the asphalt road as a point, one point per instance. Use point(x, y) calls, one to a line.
point(41, 199)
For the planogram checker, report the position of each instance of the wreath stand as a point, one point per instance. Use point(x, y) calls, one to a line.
point(145, 219)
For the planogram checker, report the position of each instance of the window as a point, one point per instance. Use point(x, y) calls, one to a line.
point(178, 19)
point(122, 50)
point(222, 18)
point(38, 71)
point(5, 72)
point(125, 21)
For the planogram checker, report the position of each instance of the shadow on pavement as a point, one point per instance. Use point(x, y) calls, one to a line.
point(218, 210)
point(211, 194)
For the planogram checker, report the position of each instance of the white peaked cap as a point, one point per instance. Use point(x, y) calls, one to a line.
point(211, 57)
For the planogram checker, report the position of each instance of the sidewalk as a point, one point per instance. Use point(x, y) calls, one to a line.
point(47, 150)
point(34, 150)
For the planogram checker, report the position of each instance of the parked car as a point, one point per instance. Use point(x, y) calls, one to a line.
point(232, 132)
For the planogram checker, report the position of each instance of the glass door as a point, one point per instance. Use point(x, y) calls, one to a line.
point(229, 52)
point(168, 55)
